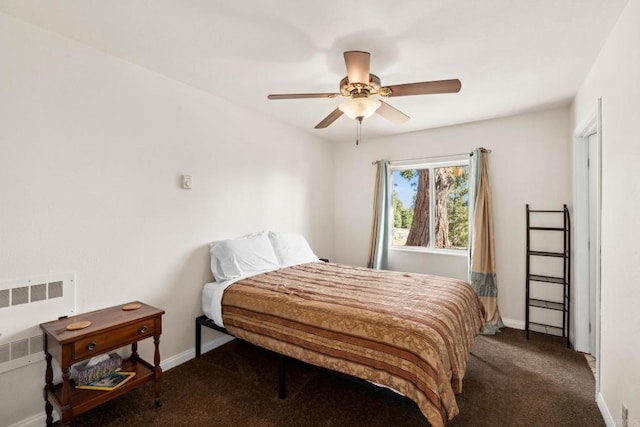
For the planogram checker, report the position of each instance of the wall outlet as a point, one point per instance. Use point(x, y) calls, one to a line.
point(625, 416)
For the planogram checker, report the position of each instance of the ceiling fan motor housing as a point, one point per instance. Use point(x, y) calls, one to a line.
point(350, 89)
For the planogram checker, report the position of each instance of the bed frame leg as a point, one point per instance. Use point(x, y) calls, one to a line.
point(203, 320)
point(282, 391)
point(198, 336)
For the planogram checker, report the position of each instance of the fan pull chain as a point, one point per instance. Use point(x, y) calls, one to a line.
point(359, 130)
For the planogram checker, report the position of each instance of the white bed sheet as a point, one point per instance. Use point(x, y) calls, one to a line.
point(212, 300)
point(212, 297)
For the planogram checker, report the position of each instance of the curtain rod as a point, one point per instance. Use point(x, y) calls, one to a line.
point(484, 150)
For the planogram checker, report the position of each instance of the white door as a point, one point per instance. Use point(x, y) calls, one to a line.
point(594, 237)
point(587, 180)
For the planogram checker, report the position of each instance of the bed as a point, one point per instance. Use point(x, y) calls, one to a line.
point(410, 332)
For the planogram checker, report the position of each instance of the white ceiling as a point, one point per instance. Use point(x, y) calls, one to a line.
point(511, 55)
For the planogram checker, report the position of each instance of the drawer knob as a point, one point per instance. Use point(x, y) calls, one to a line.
point(143, 329)
point(91, 346)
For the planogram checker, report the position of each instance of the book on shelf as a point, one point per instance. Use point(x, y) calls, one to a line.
point(109, 382)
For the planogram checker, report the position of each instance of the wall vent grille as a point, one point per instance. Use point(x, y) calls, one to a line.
point(38, 292)
point(4, 298)
point(36, 344)
point(26, 303)
point(5, 353)
point(20, 295)
point(19, 349)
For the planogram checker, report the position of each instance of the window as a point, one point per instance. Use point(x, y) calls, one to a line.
point(430, 205)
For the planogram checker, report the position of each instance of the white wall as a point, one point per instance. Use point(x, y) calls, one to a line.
point(614, 78)
point(530, 163)
point(91, 151)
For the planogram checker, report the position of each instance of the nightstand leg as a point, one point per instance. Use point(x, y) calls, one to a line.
point(49, 410)
point(157, 369)
point(134, 351)
point(65, 402)
point(48, 386)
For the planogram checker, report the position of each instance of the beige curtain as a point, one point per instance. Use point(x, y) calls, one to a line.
point(482, 271)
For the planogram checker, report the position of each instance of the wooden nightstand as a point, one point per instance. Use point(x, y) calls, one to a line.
point(110, 329)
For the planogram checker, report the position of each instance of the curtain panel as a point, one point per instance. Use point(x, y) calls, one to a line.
point(482, 261)
point(379, 244)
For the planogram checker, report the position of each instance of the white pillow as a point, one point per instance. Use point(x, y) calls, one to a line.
point(216, 268)
point(291, 249)
point(241, 257)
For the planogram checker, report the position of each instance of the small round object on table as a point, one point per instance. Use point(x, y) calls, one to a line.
point(132, 306)
point(78, 325)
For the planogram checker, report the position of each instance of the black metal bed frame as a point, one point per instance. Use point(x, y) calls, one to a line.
point(205, 321)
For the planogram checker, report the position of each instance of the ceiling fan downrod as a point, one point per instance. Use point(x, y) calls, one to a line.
point(359, 130)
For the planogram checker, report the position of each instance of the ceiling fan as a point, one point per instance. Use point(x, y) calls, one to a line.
point(362, 87)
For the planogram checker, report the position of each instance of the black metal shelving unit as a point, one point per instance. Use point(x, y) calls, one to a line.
point(565, 254)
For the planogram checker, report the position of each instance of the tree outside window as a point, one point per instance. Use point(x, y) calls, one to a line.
point(430, 206)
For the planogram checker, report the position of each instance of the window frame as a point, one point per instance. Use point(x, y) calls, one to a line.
point(432, 165)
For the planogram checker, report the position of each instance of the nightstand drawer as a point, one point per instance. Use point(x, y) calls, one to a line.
point(102, 343)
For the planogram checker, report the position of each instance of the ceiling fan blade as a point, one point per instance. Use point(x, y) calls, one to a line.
point(426, 88)
point(302, 95)
point(357, 66)
point(332, 117)
point(391, 113)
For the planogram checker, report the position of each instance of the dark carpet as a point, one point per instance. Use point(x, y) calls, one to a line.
point(509, 382)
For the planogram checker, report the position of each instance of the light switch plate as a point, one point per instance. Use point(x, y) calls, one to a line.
point(186, 182)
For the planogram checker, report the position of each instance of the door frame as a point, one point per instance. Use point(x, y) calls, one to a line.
point(581, 226)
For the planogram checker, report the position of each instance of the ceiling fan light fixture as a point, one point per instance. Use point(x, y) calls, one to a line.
point(360, 107)
point(363, 88)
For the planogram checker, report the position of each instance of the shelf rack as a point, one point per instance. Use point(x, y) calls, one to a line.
point(565, 280)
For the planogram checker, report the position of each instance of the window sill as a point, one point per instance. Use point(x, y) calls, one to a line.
point(431, 251)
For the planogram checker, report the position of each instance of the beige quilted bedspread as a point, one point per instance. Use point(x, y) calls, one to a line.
point(411, 332)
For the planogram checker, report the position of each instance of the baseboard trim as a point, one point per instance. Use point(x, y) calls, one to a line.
point(35, 421)
point(606, 414)
point(39, 420)
point(515, 324)
point(179, 359)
